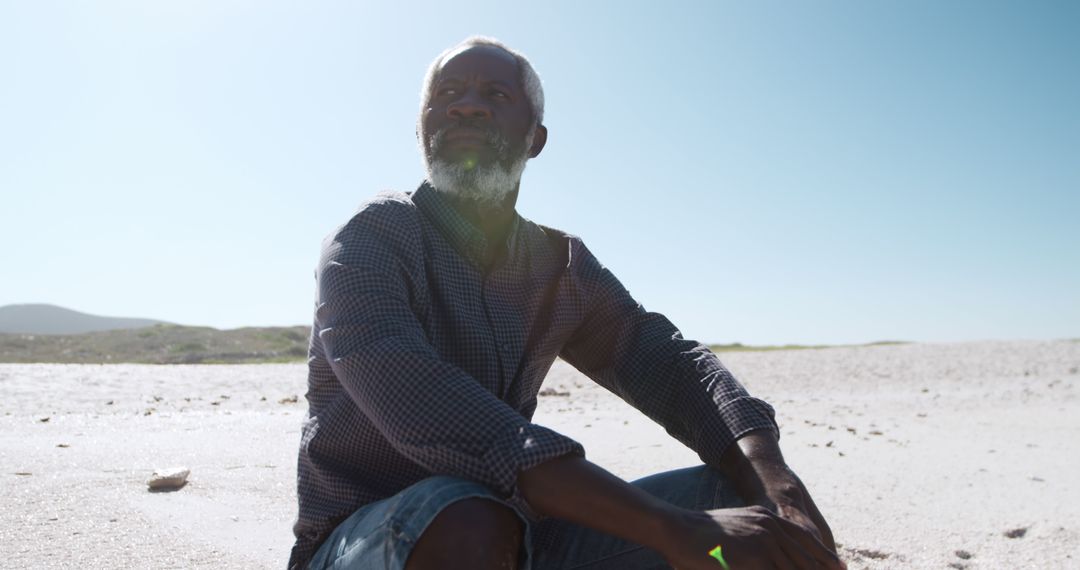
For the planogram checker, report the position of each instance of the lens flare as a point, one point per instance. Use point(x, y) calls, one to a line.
point(719, 556)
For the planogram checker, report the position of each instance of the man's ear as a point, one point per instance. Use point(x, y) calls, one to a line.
point(539, 140)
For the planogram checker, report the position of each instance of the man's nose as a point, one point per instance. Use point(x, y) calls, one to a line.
point(469, 106)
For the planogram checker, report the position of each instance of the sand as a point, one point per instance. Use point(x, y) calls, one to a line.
point(921, 456)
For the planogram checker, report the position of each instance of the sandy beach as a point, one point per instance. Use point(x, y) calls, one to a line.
point(920, 455)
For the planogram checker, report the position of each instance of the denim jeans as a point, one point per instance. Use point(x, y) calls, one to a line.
point(379, 536)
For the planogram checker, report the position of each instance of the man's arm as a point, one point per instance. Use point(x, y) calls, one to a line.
point(678, 383)
point(573, 489)
point(643, 358)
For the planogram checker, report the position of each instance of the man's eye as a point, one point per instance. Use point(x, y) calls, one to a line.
point(446, 91)
point(499, 94)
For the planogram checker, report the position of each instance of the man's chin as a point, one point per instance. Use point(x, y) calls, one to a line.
point(467, 158)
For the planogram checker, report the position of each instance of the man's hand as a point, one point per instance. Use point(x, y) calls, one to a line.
point(749, 537)
point(762, 478)
point(791, 500)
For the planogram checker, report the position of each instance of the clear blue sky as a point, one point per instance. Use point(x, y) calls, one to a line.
point(761, 172)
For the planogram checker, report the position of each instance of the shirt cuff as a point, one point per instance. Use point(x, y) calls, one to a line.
point(746, 414)
point(528, 447)
point(740, 417)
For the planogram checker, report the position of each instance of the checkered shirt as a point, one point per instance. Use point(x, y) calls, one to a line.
point(422, 362)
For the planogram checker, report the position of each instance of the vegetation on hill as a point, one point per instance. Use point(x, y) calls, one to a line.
point(161, 344)
point(739, 347)
point(176, 344)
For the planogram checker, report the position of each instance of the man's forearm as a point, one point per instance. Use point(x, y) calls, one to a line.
point(755, 465)
point(576, 490)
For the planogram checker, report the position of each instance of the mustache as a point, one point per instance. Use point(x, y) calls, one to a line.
point(494, 138)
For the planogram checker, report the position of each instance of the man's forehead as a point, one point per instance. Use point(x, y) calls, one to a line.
point(490, 62)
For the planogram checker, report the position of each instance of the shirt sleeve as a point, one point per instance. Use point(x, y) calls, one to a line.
point(429, 410)
point(643, 358)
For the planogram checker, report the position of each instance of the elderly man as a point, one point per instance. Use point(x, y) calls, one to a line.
point(438, 314)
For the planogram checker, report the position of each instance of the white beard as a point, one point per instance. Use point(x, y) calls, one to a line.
point(486, 184)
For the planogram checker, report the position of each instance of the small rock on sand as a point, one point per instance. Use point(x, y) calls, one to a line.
point(289, 400)
point(1016, 532)
point(171, 478)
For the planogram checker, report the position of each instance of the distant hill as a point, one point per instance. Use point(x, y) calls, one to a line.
point(161, 344)
point(50, 319)
point(47, 333)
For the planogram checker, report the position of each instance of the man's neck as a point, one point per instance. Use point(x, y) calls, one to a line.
point(493, 221)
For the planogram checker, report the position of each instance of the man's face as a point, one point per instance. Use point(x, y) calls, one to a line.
point(478, 119)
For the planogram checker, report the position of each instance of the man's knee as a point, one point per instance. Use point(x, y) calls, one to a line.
point(471, 533)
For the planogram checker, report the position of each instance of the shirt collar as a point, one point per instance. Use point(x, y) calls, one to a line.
point(466, 238)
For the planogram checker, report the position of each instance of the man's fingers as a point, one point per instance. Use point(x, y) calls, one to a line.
point(816, 516)
point(810, 544)
point(819, 521)
point(798, 515)
point(775, 555)
point(791, 555)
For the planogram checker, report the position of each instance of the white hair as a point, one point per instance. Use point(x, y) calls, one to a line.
point(530, 81)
